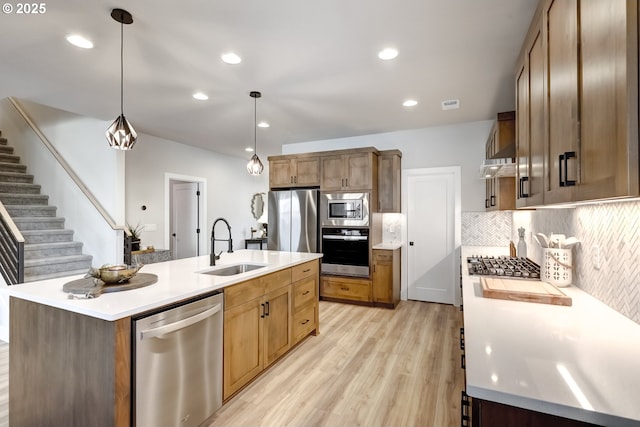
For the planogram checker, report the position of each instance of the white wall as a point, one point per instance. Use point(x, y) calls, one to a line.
point(80, 141)
point(229, 188)
point(458, 145)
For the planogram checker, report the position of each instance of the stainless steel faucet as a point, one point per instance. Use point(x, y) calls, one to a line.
point(213, 257)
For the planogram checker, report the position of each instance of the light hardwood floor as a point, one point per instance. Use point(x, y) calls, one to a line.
point(368, 367)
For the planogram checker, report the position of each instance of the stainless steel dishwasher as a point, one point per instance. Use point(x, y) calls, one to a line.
point(178, 364)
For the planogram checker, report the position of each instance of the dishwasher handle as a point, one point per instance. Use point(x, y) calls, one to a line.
point(172, 327)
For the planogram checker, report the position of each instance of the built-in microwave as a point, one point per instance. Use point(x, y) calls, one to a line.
point(344, 209)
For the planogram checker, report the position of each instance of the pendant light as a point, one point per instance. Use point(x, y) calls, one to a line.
point(121, 135)
point(255, 167)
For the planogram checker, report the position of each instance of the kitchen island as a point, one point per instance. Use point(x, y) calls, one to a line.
point(71, 360)
point(579, 362)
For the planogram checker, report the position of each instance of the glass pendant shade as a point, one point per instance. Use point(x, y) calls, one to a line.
point(255, 167)
point(121, 134)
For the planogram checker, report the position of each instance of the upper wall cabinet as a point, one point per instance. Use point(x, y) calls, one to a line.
point(588, 126)
point(389, 169)
point(346, 172)
point(530, 125)
point(500, 192)
point(288, 172)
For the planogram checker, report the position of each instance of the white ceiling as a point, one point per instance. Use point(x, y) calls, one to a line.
point(315, 63)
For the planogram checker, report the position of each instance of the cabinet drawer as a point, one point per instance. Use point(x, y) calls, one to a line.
point(276, 280)
point(382, 256)
point(304, 321)
point(304, 291)
point(357, 290)
point(301, 271)
point(237, 294)
point(242, 292)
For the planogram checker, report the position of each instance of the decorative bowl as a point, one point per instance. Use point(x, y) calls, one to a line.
point(115, 273)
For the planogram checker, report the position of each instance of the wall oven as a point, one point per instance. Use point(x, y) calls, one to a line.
point(345, 251)
point(344, 209)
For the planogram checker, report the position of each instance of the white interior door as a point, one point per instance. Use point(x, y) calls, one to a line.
point(184, 219)
point(433, 230)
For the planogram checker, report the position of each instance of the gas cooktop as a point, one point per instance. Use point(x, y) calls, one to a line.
point(512, 267)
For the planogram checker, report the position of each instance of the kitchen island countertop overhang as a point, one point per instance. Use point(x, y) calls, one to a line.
point(178, 280)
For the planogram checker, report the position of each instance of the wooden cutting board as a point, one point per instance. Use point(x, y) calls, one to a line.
point(523, 290)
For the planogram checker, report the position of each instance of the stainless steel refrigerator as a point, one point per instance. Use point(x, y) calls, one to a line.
point(293, 220)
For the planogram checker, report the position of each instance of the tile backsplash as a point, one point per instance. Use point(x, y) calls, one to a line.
point(608, 232)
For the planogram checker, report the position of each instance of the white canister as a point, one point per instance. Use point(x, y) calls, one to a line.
point(557, 267)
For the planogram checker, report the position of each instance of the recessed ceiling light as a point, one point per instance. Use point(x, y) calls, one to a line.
point(249, 149)
point(410, 103)
point(200, 96)
point(231, 58)
point(388, 54)
point(79, 41)
point(263, 125)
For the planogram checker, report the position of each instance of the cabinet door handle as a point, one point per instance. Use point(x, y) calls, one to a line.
point(305, 322)
point(521, 187)
point(307, 270)
point(493, 200)
point(486, 203)
point(344, 289)
point(267, 307)
point(563, 160)
point(305, 293)
point(461, 338)
point(464, 410)
point(262, 315)
point(346, 182)
point(295, 179)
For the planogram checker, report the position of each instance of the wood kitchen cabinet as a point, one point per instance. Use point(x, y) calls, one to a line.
point(530, 127)
point(485, 413)
point(294, 171)
point(386, 277)
point(339, 288)
point(346, 172)
point(389, 169)
point(305, 296)
point(500, 191)
point(577, 103)
point(257, 327)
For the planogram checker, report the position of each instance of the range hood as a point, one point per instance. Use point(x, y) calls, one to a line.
point(502, 164)
point(497, 168)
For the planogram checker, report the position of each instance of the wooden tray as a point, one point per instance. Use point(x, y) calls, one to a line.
point(523, 290)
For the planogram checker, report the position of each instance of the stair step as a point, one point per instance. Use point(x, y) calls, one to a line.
point(17, 211)
point(9, 158)
point(23, 199)
point(16, 177)
point(36, 267)
point(39, 250)
point(19, 187)
point(54, 275)
point(38, 223)
point(6, 148)
point(3, 140)
point(47, 236)
point(12, 167)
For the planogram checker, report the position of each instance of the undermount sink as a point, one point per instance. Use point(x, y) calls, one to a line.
point(232, 270)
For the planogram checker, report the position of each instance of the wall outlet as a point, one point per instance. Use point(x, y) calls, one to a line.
point(596, 256)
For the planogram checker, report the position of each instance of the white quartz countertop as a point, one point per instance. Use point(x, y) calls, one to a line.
point(177, 280)
point(580, 362)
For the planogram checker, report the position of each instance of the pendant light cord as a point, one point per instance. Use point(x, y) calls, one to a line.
point(255, 125)
point(122, 67)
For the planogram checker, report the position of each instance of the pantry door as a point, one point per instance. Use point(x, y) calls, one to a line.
point(433, 233)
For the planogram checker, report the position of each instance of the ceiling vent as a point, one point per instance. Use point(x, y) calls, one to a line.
point(451, 104)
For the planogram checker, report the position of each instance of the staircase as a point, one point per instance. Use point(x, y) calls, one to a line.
point(49, 249)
